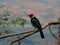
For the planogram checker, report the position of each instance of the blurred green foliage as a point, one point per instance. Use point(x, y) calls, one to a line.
point(19, 21)
point(4, 17)
point(1, 6)
point(6, 13)
point(1, 33)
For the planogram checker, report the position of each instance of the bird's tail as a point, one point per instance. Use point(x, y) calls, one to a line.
point(41, 33)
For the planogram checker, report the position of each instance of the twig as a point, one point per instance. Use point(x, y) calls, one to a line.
point(52, 33)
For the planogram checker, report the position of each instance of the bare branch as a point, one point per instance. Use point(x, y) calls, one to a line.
point(24, 37)
point(10, 35)
point(29, 32)
point(52, 23)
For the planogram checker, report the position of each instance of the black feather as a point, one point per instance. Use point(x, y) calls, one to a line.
point(36, 24)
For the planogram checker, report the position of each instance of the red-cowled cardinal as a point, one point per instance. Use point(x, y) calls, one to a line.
point(36, 24)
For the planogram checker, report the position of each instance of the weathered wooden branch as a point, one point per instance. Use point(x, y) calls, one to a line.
point(23, 37)
point(52, 23)
point(10, 35)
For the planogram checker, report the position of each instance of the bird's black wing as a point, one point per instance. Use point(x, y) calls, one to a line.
point(35, 22)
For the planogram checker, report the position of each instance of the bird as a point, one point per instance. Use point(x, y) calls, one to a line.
point(36, 24)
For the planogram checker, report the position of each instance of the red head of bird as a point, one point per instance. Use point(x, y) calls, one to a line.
point(31, 15)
